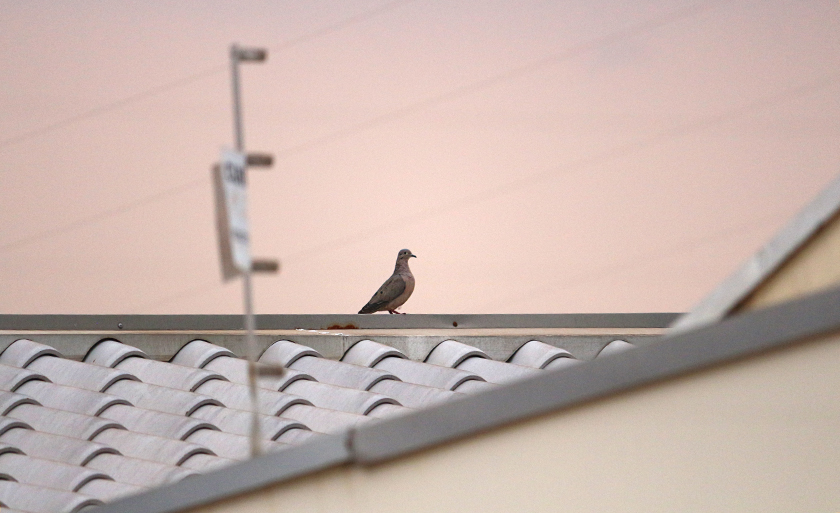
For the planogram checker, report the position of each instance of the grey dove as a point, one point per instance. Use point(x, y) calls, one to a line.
point(396, 290)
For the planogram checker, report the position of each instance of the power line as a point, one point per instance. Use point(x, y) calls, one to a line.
point(574, 51)
point(101, 216)
point(190, 79)
point(506, 188)
point(110, 107)
point(341, 25)
point(644, 258)
point(555, 172)
point(520, 71)
point(638, 260)
point(584, 163)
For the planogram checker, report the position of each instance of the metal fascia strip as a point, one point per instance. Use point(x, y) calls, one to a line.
point(739, 337)
point(325, 452)
point(757, 269)
point(198, 323)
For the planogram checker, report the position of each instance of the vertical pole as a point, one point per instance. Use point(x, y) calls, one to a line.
point(250, 323)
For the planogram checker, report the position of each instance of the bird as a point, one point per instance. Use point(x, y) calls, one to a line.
point(396, 289)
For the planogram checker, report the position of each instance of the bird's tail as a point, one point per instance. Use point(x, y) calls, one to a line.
point(370, 308)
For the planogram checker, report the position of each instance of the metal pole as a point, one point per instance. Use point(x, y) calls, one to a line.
point(237, 112)
point(250, 341)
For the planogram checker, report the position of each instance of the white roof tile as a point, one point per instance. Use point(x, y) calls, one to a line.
point(199, 353)
point(157, 398)
point(614, 347)
point(107, 490)
point(59, 422)
point(73, 399)
point(495, 372)
point(538, 354)
point(65, 449)
point(134, 471)
point(119, 422)
point(166, 425)
point(238, 422)
point(167, 374)
point(78, 374)
point(150, 447)
point(39, 472)
point(426, 374)
point(39, 499)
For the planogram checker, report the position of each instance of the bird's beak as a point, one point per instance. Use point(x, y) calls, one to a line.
point(412, 255)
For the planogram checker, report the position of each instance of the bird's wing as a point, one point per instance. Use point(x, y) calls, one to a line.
point(389, 291)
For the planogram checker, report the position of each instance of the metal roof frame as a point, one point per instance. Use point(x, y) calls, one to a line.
point(736, 338)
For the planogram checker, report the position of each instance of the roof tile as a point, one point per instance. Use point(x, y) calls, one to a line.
point(236, 370)
point(109, 353)
point(368, 353)
point(199, 353)
point(167, 425)
point(7, 424)
point(429, 375)
point(106, 490)
point(234, 395)
point(451, 353)
point(138, 472)
point(496, 372)
point(412, 395)
point(157, 398)
point(39, 499)
point(73, 399)
point(473, 386)
point(538, 355)
point(338, 398)
point(340, 373)
point(228, 445)
point(239, 422)
point(78, 374)
point(206, 462)
point(60, 448)
point(13, 377)
point(35, 471)
point(324, 420)
point(59, 422)
point(22, 352)
point(11, 400)
point(167, 374)
point(284, 353)
point(150, 447)
point(615, 347)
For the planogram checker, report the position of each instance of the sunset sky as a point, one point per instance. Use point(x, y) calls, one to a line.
point(537, 156)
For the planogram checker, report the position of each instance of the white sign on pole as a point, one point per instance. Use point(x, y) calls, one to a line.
point(236, 203)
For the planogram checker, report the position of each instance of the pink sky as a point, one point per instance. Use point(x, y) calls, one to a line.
point(545, 158)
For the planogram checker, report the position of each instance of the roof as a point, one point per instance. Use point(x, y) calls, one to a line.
point(733, 339)
point(99, 408)
point(755, 271)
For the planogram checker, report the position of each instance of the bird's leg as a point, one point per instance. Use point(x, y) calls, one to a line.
point(392, 312)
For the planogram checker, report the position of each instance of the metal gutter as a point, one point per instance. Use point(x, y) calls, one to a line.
point(736, 338)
